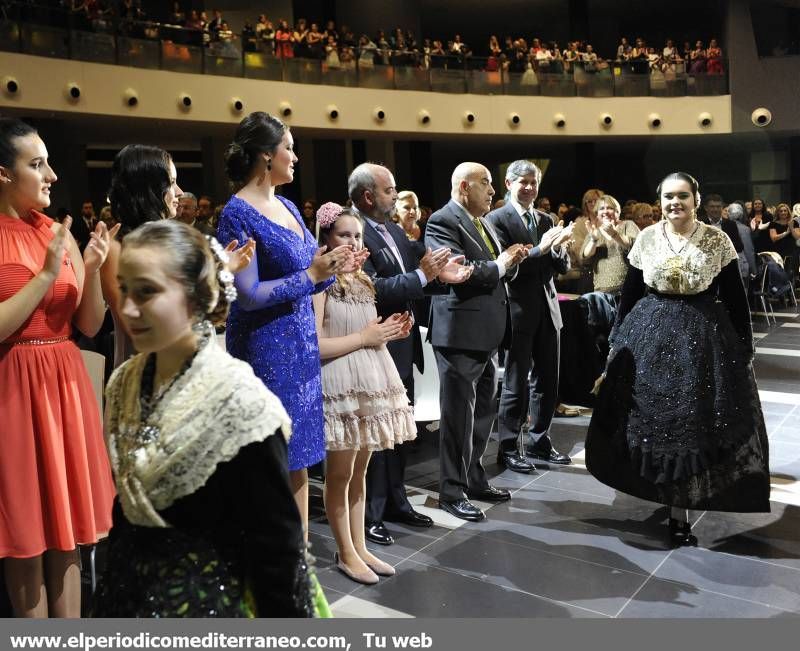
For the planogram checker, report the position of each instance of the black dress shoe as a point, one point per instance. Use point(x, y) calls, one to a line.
point(490, 494)
point(377, 533)
point(551, 456)
point(680, 534)
point(411, 518)
point(463, 509)
point(513, 460)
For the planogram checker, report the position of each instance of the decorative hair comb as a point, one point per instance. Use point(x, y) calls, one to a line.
point(224, 276)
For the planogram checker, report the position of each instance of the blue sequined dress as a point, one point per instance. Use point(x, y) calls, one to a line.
point(271, 324)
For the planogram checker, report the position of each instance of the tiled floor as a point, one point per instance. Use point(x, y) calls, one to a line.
point(568, 546)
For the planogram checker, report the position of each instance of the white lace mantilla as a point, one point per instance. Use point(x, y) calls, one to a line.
point(217, 407)
point(688, 269)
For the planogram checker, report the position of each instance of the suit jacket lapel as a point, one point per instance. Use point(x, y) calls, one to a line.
point(399, 236)
point(470, 230)
point(379, 244)
point(492, 235)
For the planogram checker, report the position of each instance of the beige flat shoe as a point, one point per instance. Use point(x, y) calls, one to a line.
point(380, 568)
point(367, 577)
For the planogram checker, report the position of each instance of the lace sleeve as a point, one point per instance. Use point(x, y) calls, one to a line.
point(635, 254)
point(255, 294)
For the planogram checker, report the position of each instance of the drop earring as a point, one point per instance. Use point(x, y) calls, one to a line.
point(269, 165)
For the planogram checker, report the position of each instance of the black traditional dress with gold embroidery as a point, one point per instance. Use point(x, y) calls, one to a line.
point(678, 418)
point(205, 524)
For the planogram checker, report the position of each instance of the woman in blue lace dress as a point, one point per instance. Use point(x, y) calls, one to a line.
point(271, 325)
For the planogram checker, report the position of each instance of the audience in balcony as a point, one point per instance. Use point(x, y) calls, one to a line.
point(400, 47)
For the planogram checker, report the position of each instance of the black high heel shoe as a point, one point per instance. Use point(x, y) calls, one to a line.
point(680, 534)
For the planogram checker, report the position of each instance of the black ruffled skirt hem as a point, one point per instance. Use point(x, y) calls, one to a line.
point(678, 419)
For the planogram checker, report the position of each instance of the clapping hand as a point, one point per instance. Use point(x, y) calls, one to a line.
point(96, 251)
point(329, 263)
point(514, 254)
point(55, 250)
point(238, 259)
point(359, 258)
point(433, 262)
point(455, 271)
point(556, 236)
point(379, 331)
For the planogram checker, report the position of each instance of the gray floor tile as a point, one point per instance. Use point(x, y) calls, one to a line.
point(771, 585)
point(776, 408)
point(425, 591)
point(664, 599)
point(543, 571)
point(770, 537)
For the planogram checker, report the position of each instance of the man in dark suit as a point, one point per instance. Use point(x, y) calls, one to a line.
point(713, 217)
point(535, 320)
point(84, 225)
point(400, 278)
point(467, 326)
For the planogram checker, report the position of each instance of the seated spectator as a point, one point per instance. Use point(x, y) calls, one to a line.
point(714, 58)
point(332, 54)
point(622, 48)
point(300, 38)
point(227, 40)
point(330, 30)
point(309, 212)
point(669, 52)
point(367, 50)
point(178, 16)
point(384, 49)
point(348, 38)
point(785, 234)
point(265, 33)
point(284, 40)
point(642, 215)
point(215, 25)
point(697, 59)
point(187, 209)
point(591, 63)
point(249, 39)
point(193, 21)
point(654, 60)
point(347, 58)
point(107, 218)
point(438, 55)
point(407, 214)
point(571, 55)
point(315, 44)
point(760, 220)
point(607, 245)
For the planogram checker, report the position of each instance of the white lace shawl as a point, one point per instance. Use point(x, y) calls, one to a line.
point(692, 269)
point(217, 407)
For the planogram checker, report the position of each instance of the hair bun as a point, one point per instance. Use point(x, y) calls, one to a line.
point(238, 162)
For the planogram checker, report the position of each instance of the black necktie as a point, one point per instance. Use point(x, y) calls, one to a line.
point(532, 227)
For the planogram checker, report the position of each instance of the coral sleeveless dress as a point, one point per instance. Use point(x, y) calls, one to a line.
point(56, 489)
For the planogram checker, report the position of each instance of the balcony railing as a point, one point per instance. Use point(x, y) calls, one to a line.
point(52, 33)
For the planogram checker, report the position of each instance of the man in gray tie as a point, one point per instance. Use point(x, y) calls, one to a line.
point(535, 320)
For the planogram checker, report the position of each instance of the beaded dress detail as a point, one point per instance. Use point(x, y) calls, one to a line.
point(271, 324)
point(678, 419)
point(366, 405)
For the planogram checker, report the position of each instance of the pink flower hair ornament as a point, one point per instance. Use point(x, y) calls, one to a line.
point(328, 213)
